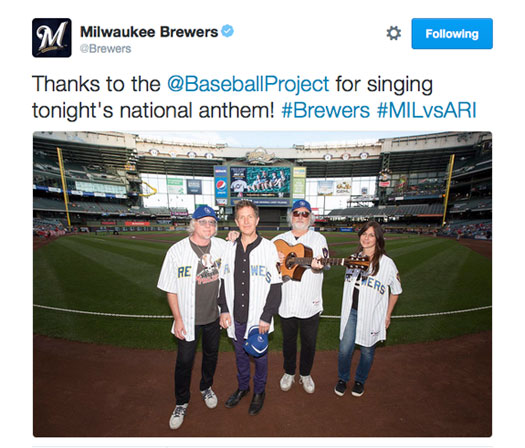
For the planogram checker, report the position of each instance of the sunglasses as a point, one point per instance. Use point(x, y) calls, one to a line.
point(303, 214)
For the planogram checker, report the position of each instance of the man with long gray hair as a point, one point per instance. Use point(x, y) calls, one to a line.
point(302, 301)
point(190, 276)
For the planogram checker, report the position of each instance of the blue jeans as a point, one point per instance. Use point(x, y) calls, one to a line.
point(346, 350)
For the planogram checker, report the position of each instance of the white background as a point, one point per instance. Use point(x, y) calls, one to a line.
point(285, 38)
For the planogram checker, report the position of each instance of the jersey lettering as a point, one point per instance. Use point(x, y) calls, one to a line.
point(371, 282)
point(261, 271)
point(184, 271)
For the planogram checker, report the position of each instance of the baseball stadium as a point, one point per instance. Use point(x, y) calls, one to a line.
point(108, 205)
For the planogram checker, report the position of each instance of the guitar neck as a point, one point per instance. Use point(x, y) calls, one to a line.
point(331, 261)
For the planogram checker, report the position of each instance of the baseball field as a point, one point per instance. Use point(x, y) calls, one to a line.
point(102, 289)
point(103, 354)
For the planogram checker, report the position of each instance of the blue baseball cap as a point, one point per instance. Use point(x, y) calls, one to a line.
point(301, 203)
point(256, 344)
point(203, 211)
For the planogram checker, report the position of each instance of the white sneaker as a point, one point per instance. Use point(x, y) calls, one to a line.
point(177, 417)
point(308, 383)
point(286, 382)
point(209, 398)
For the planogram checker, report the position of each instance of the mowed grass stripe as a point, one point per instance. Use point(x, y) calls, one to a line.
point(133, 246)
point(437, 282)
point(96, 279)
point(119, 275)
point(47, 276)
point(400, 247)
point(137, 260)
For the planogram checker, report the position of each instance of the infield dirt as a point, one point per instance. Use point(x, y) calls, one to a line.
point(435, 389)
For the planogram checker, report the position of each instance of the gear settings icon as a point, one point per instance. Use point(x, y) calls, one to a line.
point(393, 33)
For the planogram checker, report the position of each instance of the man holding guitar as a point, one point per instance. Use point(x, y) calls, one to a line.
point(302, 300)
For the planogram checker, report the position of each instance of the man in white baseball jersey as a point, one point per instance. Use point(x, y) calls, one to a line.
point(250, 295)
point(368, 302)
point(302, 301)
point(190, 276)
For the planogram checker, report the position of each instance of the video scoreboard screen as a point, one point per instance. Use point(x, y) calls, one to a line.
point(272, 186)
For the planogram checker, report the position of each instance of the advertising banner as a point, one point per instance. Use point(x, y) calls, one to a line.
point(325, 187)
point(194, 186)
point(299, 183)
point(221, 184)
point(175, 185)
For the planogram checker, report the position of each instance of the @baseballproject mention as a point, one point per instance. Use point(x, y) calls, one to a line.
point(282, 213)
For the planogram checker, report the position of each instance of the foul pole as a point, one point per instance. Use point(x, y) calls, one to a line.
point(450, 168)
point(64, 186)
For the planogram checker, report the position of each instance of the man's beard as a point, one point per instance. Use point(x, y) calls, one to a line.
point(301, 226)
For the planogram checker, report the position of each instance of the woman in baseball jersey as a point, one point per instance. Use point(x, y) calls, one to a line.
point(368, 301)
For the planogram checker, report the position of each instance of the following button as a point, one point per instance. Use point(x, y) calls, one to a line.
point(452, 34)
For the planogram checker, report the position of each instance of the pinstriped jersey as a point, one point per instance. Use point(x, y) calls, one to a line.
point(304, 298)
point(179, 275)
point(374, 294)
point(263, 273)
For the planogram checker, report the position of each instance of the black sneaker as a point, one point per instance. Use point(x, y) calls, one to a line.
point(340, 388)
point(358, 389)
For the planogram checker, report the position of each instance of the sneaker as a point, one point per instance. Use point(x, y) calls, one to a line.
point(209, 397)
point(340, 388)
point(358, 389)
point(177, 417)
point(308, 383)
point(286, 382)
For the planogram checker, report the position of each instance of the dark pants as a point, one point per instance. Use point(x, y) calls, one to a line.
point(307, 329)
point(186, 356)
point(243, 363)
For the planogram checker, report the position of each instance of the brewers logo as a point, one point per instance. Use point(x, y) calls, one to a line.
point(51, 38)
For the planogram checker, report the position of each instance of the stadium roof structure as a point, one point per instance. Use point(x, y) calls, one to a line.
point(422, 153)
point(177, 166)
point(77, 150)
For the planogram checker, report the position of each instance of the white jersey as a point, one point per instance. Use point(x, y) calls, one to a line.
point(304, 299)
point(178, 276)
point(263, 274)
point(239, 186)
point(374, 294)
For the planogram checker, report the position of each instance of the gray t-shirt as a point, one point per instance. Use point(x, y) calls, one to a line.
point(206, 286)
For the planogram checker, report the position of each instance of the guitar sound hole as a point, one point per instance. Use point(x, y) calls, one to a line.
point(289, 262)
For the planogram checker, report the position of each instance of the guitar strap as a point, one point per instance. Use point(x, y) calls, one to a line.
point(355, 294)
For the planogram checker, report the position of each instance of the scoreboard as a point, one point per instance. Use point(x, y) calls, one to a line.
point(270, 186)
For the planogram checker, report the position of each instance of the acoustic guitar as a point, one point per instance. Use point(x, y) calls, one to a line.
point(298, 258)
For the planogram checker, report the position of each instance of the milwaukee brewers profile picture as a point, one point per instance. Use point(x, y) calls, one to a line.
point(51, 38)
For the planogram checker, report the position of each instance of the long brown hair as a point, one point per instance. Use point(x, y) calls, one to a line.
point(379, 247)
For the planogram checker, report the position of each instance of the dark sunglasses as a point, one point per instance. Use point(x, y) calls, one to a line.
point(303, 214)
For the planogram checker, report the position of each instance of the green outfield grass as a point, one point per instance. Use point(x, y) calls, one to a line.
point(118, 275)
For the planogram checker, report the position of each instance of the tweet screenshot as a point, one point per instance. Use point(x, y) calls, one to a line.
point(263, 224)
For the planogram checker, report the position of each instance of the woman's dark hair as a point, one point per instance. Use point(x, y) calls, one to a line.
point(380, 244)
